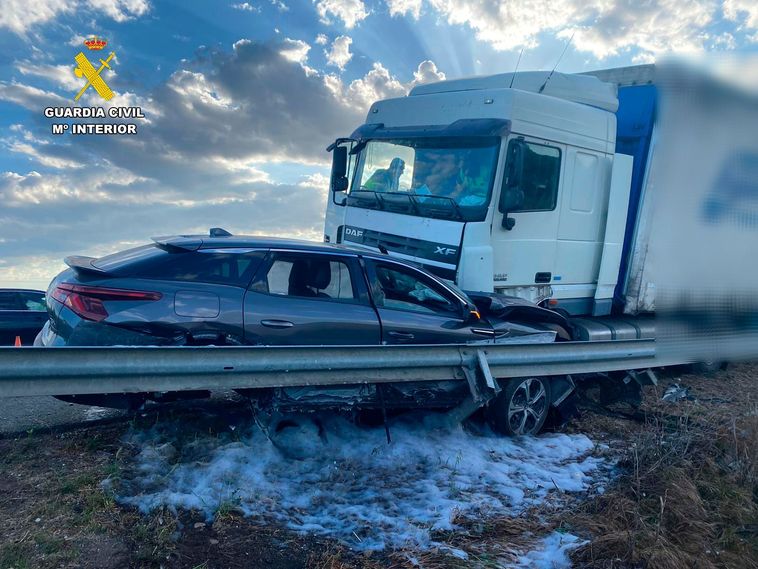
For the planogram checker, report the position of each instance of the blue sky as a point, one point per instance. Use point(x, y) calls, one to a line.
point(242, 98)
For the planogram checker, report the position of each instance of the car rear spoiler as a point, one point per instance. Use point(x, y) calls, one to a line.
point(83, 265)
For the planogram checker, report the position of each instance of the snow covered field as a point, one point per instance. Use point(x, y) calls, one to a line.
point(344, 481)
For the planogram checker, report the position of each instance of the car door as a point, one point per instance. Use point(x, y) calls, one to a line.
point(310, 298)
point(416, 309)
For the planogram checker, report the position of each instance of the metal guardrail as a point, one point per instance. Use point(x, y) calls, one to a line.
point(76, 371)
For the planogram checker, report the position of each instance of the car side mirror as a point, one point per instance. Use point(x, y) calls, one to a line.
point(470, 313)
point(339, 181)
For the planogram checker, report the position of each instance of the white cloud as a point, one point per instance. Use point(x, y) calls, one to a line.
point(295, 50)
point(379, 83)
point(339, 54)
point(61, 75)
point(120, 10)
point(321, 39)
point(427, 72)
point(402, 7)
point(280, 5)
point(30, 97)
point(376, 84)
point(743, 12)
point(600, 27)
point(245, 7)
point(41, 157)
point(654, 29)
point(349, 11)
point(77, 40)
point(21, 15)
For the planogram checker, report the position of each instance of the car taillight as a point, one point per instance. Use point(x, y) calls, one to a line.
point(87, 301)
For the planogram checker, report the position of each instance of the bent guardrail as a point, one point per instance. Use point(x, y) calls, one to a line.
point(93, 370)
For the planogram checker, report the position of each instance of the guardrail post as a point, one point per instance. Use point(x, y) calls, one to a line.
point(482, 386)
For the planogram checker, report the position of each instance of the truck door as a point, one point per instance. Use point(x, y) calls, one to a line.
point(310, 299)
point(524, 237)
point(583, 206)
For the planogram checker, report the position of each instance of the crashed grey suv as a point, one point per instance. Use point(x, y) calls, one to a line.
point(221, 289)
point(229, 290)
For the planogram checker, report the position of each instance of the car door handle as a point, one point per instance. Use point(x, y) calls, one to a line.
point(402, 336)
point(277, 323)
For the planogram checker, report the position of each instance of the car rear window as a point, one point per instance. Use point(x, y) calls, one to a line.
point(129, 262)
point(220, 266)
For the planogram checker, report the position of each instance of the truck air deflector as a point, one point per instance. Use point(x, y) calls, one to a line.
point(459, 128)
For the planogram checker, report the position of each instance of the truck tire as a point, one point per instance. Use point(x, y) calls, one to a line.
point(522, 407)
point(708, 367)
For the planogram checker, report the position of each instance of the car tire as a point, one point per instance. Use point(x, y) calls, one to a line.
point(522, 407)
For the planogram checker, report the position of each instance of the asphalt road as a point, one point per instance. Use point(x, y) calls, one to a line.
point(19, 414)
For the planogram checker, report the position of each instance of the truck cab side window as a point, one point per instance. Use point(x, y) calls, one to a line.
point(539, 178)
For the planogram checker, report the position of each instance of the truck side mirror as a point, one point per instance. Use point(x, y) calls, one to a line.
point(339, 181)
point(511, 194)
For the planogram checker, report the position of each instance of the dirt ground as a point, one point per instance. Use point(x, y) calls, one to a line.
point(685, 495)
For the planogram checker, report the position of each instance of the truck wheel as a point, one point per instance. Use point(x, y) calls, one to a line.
point(521, 408)
point(708, 367)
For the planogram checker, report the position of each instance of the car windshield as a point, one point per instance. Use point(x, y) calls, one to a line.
point(430, 177)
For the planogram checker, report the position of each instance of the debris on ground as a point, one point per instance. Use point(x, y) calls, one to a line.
point(676, 392)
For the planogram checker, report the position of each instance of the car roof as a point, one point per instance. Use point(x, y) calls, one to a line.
point(22, 290)
point(195, 242)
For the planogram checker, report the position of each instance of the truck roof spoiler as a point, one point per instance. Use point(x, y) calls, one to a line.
point(462, 127)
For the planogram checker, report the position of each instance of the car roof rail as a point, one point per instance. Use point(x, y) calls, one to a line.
point(219, 232)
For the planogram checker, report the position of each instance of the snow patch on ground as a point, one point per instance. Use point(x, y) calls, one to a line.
point(351, 485)
point(552, 552)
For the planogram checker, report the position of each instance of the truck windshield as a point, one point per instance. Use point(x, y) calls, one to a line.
point(430, 177)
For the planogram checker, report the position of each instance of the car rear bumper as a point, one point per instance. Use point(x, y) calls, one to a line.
point(71, 330)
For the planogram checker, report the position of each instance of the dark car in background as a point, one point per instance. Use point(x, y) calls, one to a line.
point(22, 315)
point(221, 290)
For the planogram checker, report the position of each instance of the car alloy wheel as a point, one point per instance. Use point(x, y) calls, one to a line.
point(522, 406)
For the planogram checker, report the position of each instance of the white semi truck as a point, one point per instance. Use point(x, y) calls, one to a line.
point(588, 194)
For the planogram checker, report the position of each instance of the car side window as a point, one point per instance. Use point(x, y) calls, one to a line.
point(9, 301)
point(32, 301)
point(308, 276)
point(402, 289)
point(216, 266)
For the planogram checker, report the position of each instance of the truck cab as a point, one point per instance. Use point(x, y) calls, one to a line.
point(508, 183)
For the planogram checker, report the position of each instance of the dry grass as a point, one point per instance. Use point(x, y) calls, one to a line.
point(688, 497)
